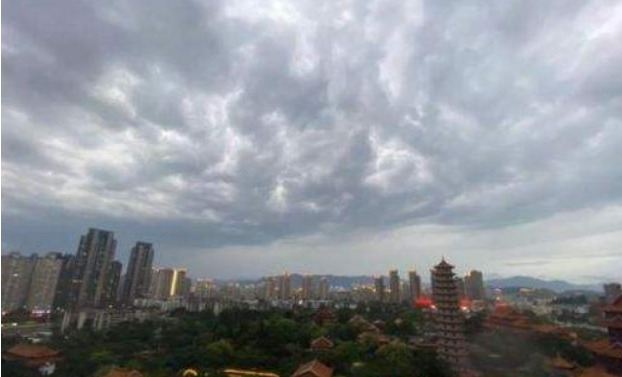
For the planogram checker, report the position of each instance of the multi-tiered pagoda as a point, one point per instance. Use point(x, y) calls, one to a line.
point(608, 351)
point(448, 319)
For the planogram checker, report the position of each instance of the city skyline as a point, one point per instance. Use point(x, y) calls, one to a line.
point(333, 138)
point(420, 272)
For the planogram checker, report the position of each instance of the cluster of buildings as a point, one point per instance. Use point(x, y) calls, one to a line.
point(92, 279)
point(312, 287)
point(470, 287)
point(88, 285)
point(89, 278)
point(91, 290)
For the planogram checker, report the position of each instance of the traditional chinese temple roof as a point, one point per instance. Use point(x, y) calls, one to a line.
point(123, 372)
point(321, 343)
point(313, 368)
point(32, 351)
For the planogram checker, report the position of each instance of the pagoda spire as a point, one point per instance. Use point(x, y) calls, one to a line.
point(448, 318)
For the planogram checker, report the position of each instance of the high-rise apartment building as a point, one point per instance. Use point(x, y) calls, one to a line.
point(17, 273)
point(379, 288)
point(460, 287)
point(307, 292)
point(65, 282)
point(138, 275)
point(113, 281)
point(169, 282)
point(95, 252)
point(204, 288)
point(324, 288)
point(394, 285)
point(185, 286)
point(474, 285)
point(270, 288)
point(414, 284)
point(44, 281)
point(179, 285)
point(161, 283)
point(285, 287)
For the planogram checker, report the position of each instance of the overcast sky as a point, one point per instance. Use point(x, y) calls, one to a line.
point(249, 137)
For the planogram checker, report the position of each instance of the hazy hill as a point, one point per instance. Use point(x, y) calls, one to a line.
point(530, 282)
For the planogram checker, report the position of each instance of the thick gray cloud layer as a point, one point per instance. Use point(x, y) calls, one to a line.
point(244, 123)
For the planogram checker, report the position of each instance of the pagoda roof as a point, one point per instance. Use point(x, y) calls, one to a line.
point(559, 362)
point(615, 306)
point(321, 343)
point(123, 372)
point(444, 265)
point(316, 368)
point(593, 372)
point(32, 351)
point(605, 348)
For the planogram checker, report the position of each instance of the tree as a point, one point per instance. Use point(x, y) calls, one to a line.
point(219, 353)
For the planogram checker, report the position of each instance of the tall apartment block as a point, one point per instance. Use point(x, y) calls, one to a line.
point(17, 273)
point(394, 285)
point(95, 252)
point(138, 275)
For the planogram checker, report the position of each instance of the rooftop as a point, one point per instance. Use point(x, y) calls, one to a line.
point(314, 368)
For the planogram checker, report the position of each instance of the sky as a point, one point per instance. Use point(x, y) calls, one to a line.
point(246, 138)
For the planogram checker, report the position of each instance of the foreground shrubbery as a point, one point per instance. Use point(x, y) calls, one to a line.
point(275, 340)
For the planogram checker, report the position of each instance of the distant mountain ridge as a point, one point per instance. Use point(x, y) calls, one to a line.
point(511, 282)
point(535, 283)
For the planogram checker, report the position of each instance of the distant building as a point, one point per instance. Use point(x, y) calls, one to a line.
point(161, 283)
point(185, 286)
point(65, 282)
point(45, 277)
point(460, 287)
point(169, 282)
point(379, 288)
point(474, 285)
point(394, 285)
point(17, 273)
point(307, 287)
point(138, 274)
point(324, 288)
point(448, 318)
point(204, 288)
point(179, 285)
point(285, 287)
point(414, 284)
point(270, 288)
point(102, 319)
point(612, 291)
point(96, 251)
point(113, 281)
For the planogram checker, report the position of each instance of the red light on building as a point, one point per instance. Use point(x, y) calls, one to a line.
point(422, 303)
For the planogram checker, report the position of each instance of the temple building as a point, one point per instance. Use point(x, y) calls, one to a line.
point(506, 317)
point(39, 357)
point(321, 344)
point(608, 351)
point(314, 368)
point(448, 319)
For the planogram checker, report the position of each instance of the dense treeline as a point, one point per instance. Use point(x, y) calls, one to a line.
point(274, 340)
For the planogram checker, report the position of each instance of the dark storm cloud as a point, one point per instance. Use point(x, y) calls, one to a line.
point(201, 125)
